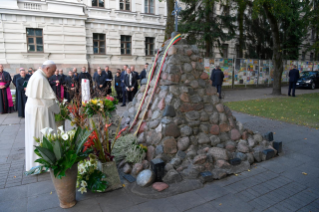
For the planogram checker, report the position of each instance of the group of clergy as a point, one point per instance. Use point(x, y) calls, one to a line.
point(20, 81)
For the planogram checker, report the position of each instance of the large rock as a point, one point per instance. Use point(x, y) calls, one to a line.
point(183, 143)
point(145, 178)
point(172, 130)
point(218, 153)
point(214, 140)
point(186, 131)
point(127, 168)
point(172, 176)
point(199, 159)
point(169, 144)
point(137, 168)
point(203, 138)
point(150, 153)
point(234, 134)
point(214, 130)
point(169, 111)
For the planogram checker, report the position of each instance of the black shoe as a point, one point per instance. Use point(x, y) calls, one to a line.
point(288, 94)
point(123, 105)
point(294, 96)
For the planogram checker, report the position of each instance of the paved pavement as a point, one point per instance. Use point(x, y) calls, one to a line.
point(275, 185)
point(258, 93)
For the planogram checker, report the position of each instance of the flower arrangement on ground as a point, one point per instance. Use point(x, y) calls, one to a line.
point(100, 106)
point(127, 148)
point(60, 151)
point(100, 142)
point(89, 177)
point(64, 112)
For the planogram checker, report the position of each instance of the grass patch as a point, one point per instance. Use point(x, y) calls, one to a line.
point(302, 110)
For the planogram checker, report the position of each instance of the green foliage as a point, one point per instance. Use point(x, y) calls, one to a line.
point(127, 148)
point(64, 112)
point(59, 152)
point(90, 177)
point(203, 25)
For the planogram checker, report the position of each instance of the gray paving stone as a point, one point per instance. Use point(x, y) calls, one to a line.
point(231, 203)
point(42, 202)
point(90, 205)
point(44, 187)
point(16, 205)
point(211, 192)
point(18, 192)
point(157, 205)
point(186, 200)
point(207, 207)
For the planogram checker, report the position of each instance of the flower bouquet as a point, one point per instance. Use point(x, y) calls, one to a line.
point(90, 177)
point(102, 147)
point(79, 116)
point(100, 106)
point(60, 153)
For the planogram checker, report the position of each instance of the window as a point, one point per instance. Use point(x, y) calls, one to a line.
point(303, 56)
point(149, 6)
point(149, 46)
point(225, 50)
point(98, 43)
point(125, 44)
point(311, 56)
point(97, 3)
point(35, 40)
point(125, 5)
point(238, 55)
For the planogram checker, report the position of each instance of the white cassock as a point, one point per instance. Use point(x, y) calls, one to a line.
point(39, 113)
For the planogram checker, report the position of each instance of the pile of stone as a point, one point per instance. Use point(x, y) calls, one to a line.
point(188, 127)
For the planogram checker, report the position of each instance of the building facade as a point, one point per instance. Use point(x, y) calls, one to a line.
point(76, 33)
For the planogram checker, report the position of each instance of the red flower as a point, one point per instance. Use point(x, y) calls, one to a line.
point(119, 134)
point(90, 141)
point(110, 98)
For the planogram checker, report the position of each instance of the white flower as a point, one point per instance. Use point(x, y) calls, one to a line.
point(64, 101)
point(81, 171)
point(54, 136)
point(45, 131)
point(61, 129)
point(83, 183)
point(65, 136)
point(82, 189)
point(50, 131)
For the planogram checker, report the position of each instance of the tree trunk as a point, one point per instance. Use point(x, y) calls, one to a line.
point(170, 19)
point(240, 17)
point(277, 52)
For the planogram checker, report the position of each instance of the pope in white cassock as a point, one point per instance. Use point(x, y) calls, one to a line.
point(39, 110)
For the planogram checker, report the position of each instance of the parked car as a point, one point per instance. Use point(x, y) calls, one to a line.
point(308, 79)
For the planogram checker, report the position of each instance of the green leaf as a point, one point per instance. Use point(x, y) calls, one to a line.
point(47, 144)
point(82, 139)
point(34, 170)
point(44, 162)
point(58, 150)
point(46, 154)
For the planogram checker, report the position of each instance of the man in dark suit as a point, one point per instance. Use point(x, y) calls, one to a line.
point(100, 83)
point(293, 78)
point(137, 77)
point(63, 82)
point(217, 77)
point(130, 84)
point(143, 73)
point(122, 77)
point(30, 72)
point(55, 82)
point(109, 79)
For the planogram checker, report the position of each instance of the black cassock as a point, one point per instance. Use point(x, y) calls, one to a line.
point(71, 82)
point(20, 96)
point(14, 81)
point(63, 82)
point(4, 103)
point(109, 78)
point(56, 87)
point(101, 80)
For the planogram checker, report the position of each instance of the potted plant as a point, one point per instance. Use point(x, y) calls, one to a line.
point(102, 147)
point(63, 115)
point(61, 153)
point(89, 176)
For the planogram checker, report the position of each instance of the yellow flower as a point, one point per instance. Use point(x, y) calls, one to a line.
point(83, 103)
point(101, 102)
point(94, 101)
